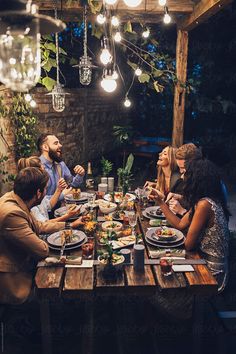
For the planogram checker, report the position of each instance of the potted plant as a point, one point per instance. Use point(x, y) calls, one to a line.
point(106, 167)
point(124, 174)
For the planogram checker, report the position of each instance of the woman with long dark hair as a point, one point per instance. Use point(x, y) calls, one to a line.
point(207, 217)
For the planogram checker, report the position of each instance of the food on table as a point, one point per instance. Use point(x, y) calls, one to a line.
point(90, 226)
point(118, 196)
point(111, 226)
point(116, 259)
point(165, 232)
point(87, 217)
point(166, 266)
point(119, 214)
point(108, 217)
point(105, 206)
point(76, 192)
point(66, 236)
point(157, 222)
point(126, 232)
point(125, 241)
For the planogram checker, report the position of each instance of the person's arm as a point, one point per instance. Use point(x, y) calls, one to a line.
point(61, 185)
point(19, 232)
point(200, 219)
point(72, 181)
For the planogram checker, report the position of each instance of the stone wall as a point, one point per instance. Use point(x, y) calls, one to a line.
point(84, 127)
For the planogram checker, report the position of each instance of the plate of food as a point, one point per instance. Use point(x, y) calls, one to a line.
point(153, 212)
point(163, 244)
point(70, 237)
point(118, 215)
point(118, 197)
point(111, 226)
point(117, 259)
point(123, 242)
point(164, 235)
point(80, 197)
point(64, 210)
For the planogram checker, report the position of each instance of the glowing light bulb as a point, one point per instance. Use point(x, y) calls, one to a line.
point(108, 84)
point(33, 104)
point(110, 2)
point(127, 102)
point(101, 19)
point(146, 33)
point(117, 37)
point(162, 2)
point(167, 19)
point(132, 3)
point(115, 21)
point(105, 56)
point(28, 97)
point(138, 72)
point(115, 75)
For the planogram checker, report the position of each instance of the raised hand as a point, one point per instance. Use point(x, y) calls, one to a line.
point(156, 195)
point(61, 184)
point(176, 207)
point(79, 170)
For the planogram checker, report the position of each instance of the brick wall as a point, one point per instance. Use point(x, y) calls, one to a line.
point(84, 127)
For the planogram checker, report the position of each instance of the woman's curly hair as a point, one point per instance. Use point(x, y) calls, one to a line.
point(202, 180)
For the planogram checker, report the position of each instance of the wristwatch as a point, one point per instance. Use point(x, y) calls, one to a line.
point(68, 225)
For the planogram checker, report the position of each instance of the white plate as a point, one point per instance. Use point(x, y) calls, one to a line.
point(63, 210)
point(70, 247)
point(128, 196)
point(116, 245)
point(151, 232)
point(150, 217)
point(83, 198)
point(151, 212)
point(55, 239)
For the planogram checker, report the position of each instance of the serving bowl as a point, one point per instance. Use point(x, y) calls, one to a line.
point(107, 207)
point(111, 226)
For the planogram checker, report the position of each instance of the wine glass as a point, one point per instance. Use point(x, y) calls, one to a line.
point(132, 220)
point(91, 201)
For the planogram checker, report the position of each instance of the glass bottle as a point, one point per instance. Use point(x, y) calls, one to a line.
point(89, 178)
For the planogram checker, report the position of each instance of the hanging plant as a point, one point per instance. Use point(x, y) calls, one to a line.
point(24, 123)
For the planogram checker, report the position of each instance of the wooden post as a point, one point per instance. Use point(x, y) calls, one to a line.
point(179, 97)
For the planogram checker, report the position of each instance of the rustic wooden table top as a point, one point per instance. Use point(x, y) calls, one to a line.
point(74, 282)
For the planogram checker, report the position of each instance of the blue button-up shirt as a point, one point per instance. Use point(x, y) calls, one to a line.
point(57, 171)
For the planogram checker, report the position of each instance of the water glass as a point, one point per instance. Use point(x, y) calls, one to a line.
point(166, 266)
point(87, 250)
point(132, 220)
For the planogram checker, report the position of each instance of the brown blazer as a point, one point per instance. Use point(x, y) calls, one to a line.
point(20, 247)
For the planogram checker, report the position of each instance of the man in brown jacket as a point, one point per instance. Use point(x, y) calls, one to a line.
point(20, 246)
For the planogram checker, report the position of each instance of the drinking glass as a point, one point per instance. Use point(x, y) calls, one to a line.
point(87, 250)
point(132, 220)
point(166, 266)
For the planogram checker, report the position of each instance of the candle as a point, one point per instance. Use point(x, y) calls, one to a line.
point(102, 187)
point(110, 184)
point(138, 257)
point(104, 180)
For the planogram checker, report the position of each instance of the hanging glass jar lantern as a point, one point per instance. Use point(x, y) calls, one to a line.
point(85, 62)
point(58, 94)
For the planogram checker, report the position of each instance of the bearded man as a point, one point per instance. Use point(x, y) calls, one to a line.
point(50, 147)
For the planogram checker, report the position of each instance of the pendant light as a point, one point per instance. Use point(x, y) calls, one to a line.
point(20, 28)
point(85, 62)
point(58, 94)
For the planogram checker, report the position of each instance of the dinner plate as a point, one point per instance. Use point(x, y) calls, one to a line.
point(117, 245)
point(152, 212)
point(63, 210)
point(116, 217)
point(82, 199)
point(150, 235)
point(70, 247)
point(55, 239)
point(164, 245)
point(128, 196)
point(151, 217)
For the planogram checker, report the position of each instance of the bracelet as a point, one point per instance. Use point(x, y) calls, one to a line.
point(68, 225)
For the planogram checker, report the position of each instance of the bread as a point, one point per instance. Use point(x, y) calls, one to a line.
point(66, 236)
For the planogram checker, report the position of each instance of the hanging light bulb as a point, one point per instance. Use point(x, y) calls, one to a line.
point(117, 37)
point(85, 62)
point(146, 33)
point(105, 56)
point(20, 29)
point(167, 18)
point(115, 75)
point(162, 2)
point(58, 94)
point(108, 83)
point(138, 72)
point(132, 3)
point(127, 102)
point(110, 2)
point(33, 104)
point(115, 21)
point(101, 19)
point(28, 97)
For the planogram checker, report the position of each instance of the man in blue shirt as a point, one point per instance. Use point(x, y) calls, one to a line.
point(51, 157)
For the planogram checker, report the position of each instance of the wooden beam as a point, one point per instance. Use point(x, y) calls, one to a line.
point(201, 12)
point(179, 96)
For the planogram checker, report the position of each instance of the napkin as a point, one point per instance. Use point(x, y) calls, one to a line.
point(174, 252)
point(182, 268)
point(86, 263)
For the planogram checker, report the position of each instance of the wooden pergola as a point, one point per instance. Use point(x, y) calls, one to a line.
point(187, 15)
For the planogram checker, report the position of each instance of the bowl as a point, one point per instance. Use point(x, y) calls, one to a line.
point(107, 207)
point(117, 264)
point(111, 226)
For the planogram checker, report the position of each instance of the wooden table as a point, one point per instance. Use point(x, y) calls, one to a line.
point(77, 283)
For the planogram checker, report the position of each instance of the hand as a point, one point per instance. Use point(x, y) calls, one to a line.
point(173, 196)
point(67, 191)
point(157, 196)
point(79, 170)
point(61, 184)
point(149, 184)
point(71, 212)
point(176, 207)
point(78, 222)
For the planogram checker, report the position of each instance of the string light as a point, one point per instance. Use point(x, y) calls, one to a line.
point(162, 2)
point(115, 21)
point(138, 72)
point(105, 56)
point(146, 33)
point(167, 17)
point(28, 97)
point(132, 3)
point(115, 75)
point(117, 37)
point(127, 102)
point(101, 19)
point(33, 104)
point(108, 83)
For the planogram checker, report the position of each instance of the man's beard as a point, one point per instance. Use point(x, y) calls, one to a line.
point(54, 156)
